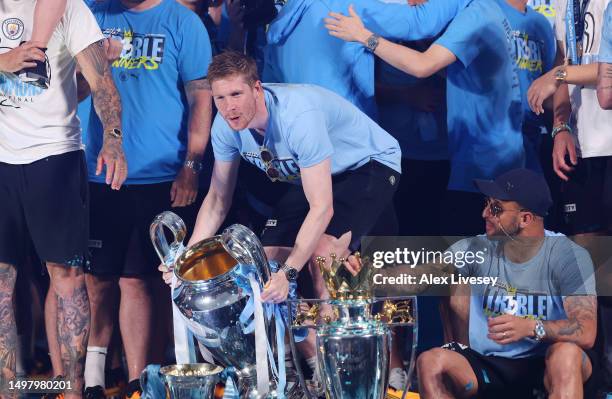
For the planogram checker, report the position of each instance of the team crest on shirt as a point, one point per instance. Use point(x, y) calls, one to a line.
point(12, 28)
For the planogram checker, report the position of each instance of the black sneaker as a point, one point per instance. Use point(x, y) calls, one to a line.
point(37, 75)
point(96, 392)
point(133, 390)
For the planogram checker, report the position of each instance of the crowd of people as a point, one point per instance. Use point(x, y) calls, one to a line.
point(479, 118)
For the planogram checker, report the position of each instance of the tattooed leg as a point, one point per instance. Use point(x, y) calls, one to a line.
point(73, 322)
point(8, 328)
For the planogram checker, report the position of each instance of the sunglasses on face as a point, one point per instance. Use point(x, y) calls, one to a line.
point(267, 157)
point(496, 209)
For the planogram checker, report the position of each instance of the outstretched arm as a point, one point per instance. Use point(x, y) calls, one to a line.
point(421, 65)
point(398, 21)
point(95, 68)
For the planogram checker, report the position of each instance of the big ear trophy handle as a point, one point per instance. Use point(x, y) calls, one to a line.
point(246, 248)
point(168, 252)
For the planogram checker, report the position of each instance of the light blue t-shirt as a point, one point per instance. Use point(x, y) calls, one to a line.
point(483, 97)
point(300, 49)
point(533, 289)
point(163, 48)
point(605, 48)
point(422, 135)
point(534, 47)
point(308, 124)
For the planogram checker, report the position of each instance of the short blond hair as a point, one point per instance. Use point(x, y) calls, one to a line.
point(230, 63)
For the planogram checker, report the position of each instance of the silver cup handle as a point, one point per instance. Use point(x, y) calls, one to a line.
point(245, 247)
point(168, 252)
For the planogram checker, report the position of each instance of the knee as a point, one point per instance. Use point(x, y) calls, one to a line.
point(431, 363)
point(99, 288)
point(133, 284)
point(65, 280)
point(563, 360)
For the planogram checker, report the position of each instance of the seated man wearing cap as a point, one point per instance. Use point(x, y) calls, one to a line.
point(534, 327)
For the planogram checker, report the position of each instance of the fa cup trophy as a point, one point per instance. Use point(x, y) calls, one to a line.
point(353, 343)
point(216, 294)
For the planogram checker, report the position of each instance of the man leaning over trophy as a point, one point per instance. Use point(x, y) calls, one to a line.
point(342, 167)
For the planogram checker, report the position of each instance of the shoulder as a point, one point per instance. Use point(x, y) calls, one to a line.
point(565, 250)
point(539, 21)
point(293, 99)
point(97, 7)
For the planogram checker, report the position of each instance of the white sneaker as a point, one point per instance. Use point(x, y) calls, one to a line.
point(398, 378)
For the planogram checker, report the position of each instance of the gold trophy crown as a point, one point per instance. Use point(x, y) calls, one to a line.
point(341, 283)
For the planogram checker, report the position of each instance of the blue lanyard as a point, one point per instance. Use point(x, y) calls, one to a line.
point(575, 29)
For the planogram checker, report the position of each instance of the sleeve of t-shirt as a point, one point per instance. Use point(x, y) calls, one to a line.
point(79, 27)
point(195, 53)
point(308, 138)
point(403, 22)
point(461, 36)
point(575, 274)
point(223, 141)
point(605, 48)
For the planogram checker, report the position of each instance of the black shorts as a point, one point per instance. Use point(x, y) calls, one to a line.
point(504, 378)
point(587, 196)
point(363, 204)
point(119, 241)
point(46, 202)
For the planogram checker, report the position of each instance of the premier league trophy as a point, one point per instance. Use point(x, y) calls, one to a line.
point(187, 381)
point(353, 344)
point(217, 283)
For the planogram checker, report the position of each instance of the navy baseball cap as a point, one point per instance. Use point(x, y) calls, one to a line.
point(524, 186)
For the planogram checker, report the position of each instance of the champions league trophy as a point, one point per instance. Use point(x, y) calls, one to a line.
point(218, 281)
point(353, 344)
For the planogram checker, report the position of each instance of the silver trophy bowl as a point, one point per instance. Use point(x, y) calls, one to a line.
point(353, 355)
point(190, 381)
point(211, 295)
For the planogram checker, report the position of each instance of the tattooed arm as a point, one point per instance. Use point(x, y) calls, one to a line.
point(185, 188)
point(580, 327)
point(8, 327)
point(95, 68)
point(604, 85)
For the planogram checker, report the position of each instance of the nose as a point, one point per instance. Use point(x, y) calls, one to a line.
point(485, 211)
point(231, 104)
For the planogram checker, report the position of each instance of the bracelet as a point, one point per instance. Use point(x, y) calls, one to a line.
point(560, 128)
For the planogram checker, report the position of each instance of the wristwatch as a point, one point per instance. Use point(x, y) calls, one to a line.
point(194, 165)
point(539, 331)
point(372, 42)
point(290, 272)
point(116, 133)
point(561, 75)
point(562, 127)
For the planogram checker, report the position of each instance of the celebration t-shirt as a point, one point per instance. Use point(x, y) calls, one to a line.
point(308, 124)
point(36, 123)
point(164, 47)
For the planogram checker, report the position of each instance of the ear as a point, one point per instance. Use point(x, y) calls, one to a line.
point(526, 219)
